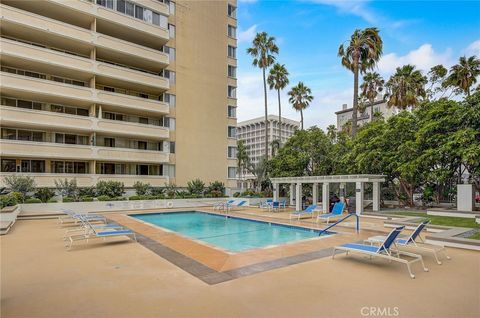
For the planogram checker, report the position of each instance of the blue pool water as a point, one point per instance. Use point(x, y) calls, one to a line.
point(229, 233)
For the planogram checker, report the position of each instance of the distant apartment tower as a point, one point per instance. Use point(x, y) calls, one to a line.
point(252, 133)
point(125, 90)
point(345, 115)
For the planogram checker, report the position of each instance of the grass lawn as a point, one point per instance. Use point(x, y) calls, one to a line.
point(444, 220)
point(475, 236)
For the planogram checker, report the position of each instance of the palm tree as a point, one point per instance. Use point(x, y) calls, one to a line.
point(406, 87)
point(300, 98)
point(263, 50)
point(278, 79)
point(372, 86)
point(464, 74)
point(362, 53)
point(275, 144)
point(332, 133)
point(242, 159)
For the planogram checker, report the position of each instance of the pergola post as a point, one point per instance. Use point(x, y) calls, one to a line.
point(275, 192)
point(343, 186)
point(298, 200)
point(376, 197)
point(359, 187)
point(325, 197)
point(292, 194)
point(315, 193)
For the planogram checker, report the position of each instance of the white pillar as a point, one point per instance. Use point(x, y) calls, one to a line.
point(298, 200)
point(342, 193)
point(325, 197)
point(275, 192)
point(465, 197)
point(359, 197)
point(376, 197)
point(292, 194)
point(315, 193)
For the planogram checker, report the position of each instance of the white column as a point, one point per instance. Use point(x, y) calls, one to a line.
point(342, 193)
point(325, 197)
point(359, 197)
point(275, 192)
point(292, 193)
point(298, 200)
point(315, 193)
point(376, 197)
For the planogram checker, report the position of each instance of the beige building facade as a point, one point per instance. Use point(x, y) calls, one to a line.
point(126, 90)
point(345, 115)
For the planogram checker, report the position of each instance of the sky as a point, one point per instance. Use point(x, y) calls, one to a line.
point(309, 32)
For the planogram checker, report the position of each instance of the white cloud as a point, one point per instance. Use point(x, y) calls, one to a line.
point(423, 58)
point(473, 48)
point(357, 8)
point(247, 35)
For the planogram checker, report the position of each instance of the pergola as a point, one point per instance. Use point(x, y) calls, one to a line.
point(359, 180)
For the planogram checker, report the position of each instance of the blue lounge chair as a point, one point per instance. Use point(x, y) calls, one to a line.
point(411, 242)
point(75, 217)
point(97, 233)
point(275, 206)
point(85, 228)
point(336, 212)
point(308, 211)
point(267, 204)
point(383, 251)
point(283, 204)
point(221, 205)
point(229, 207)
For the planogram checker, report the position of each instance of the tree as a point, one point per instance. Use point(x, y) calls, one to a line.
point(242, 159)
point(263, 50)
point(436, 77)
point(361, 53)
point(300, 98)
point(142, 188)
point(275, 144)
point(371, 87)
point(278, 79)
point(406, 87)
point(196, 187)
point(464, 74)
point(260, 173)
point(21, 184)
point(332, 133)
point(67, 188)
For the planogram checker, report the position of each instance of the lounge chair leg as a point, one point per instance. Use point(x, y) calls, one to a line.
point(436, 258)
point(333, 255)
point(423, 264)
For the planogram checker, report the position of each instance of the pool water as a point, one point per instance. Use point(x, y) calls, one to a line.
point(229, 233)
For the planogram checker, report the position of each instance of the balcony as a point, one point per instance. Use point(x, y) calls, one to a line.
point(124, 128)
point(31, 27)
point(141, 105)
point(31, 149)
point(87, 180)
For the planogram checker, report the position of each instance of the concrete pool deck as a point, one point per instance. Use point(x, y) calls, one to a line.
point(39, 278)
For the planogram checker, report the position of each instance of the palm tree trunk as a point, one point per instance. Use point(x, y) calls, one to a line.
point(301, 117)
point(355, 101)
point(279, 119)
point(371, 110)
point(266, 113)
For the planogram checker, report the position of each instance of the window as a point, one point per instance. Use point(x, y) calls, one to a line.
point(232, 172)
point(147, 15)
point(232, 131)
point(33, 166)
point(139, 12)
point(69, 167)
point(232, 111)
point(232, 31)
point(109, 142)
point(171, 6)
point(232, 152)
point(114, 116)
point(171, 31)
point(130, 9)
point(232, 71)
point(70, 139)
point(232, 91)
point(232, 11)
point(232, 52)
point(170, 99)
point(142, 145)
point(143, 120)
point(170, 75)
point(9, 165)
point(170, 51)
point(9, 134)
point(121, 6)
point(111, 168)
point(142, 170)
point(172, 146)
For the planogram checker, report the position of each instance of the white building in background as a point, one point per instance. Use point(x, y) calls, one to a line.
point(380, 106)
point(252, 133)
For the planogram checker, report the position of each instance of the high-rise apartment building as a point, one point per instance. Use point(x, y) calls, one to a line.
point(380, 107)
point(126, 90)
point(252, 133)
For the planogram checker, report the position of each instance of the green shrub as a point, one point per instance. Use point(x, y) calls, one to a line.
point(44, 194)
point(68, 199)
point(33, 200)
point(156, 191)
point(67, 188)
point(17, 195)
point(141, 188)
point(8, 200)
point(86, 199)
point(20, 184)
point(135, 197)
point(103, 198)
point(87, 192)
point(110, 188)
point(170, 190)
point(52, 201)
point(216, 189)
point(236, 194)
point(196, 187)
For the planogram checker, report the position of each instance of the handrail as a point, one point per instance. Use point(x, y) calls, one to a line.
point(339, 221)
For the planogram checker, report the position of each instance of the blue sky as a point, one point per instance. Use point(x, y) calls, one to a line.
point(308, 33)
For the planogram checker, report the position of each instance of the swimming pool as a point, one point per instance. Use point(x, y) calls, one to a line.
point(229, 233)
